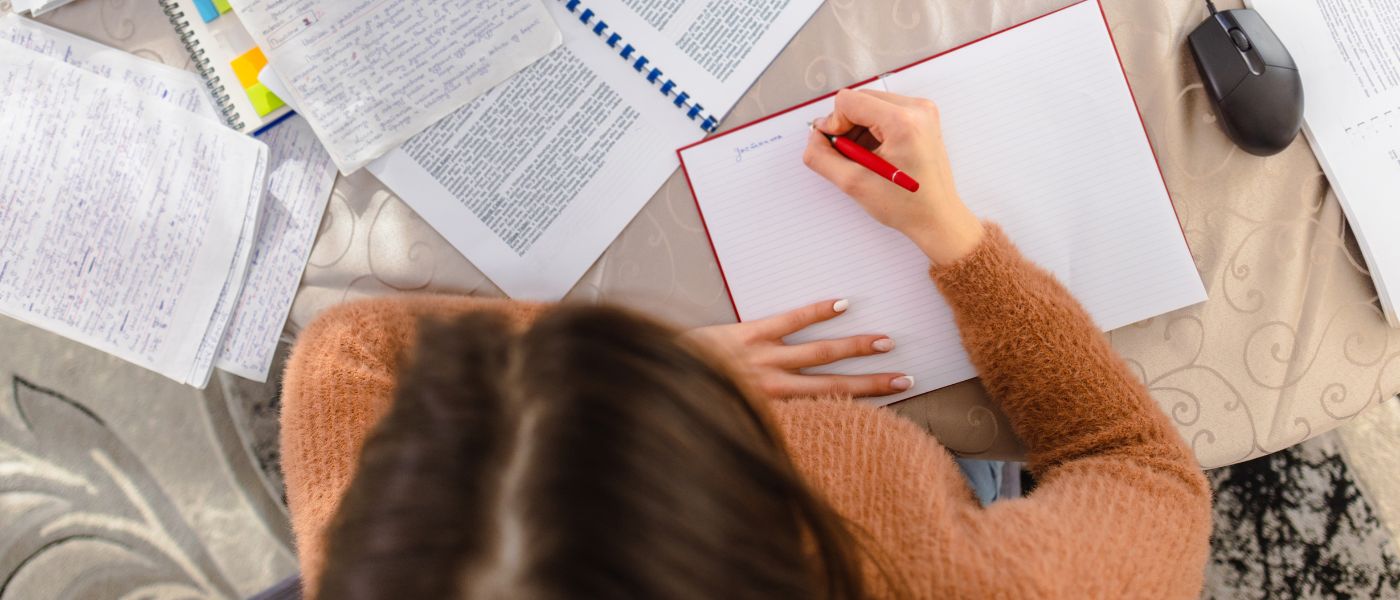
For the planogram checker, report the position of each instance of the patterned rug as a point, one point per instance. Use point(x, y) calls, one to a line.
point(83, 512)
point(1294, 524)
point(118, 483)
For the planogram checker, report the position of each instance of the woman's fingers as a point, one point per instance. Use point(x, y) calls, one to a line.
point(824, 352)
point(794, 321)
point(905, 101)
point(857, 107)
point(790, 385)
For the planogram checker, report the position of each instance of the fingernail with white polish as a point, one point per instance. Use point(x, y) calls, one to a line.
point(841, 305)
point(883, 345)
point(902, 383)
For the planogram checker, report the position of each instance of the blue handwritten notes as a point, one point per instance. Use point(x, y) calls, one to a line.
point(741, 151)
point(133, 231)
point(370, 75)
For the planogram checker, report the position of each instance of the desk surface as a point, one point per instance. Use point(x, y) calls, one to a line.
point(1290, 345)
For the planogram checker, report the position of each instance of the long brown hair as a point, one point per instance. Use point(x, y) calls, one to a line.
point(594, 455)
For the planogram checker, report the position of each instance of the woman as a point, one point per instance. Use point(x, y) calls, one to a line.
point(440, 447)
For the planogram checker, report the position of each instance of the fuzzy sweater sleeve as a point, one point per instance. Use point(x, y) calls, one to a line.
point(338, 383)
point(1121, 508)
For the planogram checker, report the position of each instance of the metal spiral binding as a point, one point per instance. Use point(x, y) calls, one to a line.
point(201, 63)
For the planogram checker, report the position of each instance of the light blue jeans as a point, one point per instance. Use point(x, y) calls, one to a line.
point(985, 476)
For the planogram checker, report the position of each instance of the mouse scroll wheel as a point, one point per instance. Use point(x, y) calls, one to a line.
point(1241, 40)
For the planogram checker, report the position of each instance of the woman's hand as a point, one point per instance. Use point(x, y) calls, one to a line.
point(773, 366)
point(910, 138)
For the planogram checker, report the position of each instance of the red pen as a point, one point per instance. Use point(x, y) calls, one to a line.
point(870, 160)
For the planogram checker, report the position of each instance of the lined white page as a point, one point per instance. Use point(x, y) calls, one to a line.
point(1044, 139)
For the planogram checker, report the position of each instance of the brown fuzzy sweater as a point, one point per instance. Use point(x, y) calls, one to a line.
point(1121, 508)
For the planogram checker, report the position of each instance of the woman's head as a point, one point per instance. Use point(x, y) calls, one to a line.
point(595, 455)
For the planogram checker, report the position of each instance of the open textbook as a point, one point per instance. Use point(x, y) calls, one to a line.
point(299, 177)
point(130, 234)
point(532, 181)
point(368, 74)
point(1348, 54)
point(1044, 140)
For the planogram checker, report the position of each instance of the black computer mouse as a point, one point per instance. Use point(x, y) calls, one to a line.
point(1251, 80)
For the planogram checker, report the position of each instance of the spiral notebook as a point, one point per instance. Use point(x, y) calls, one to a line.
point(225, 55)
point(1044, 139)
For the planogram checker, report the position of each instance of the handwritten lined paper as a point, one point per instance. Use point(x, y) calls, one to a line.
point(176, 86)
point(1044, 139)
point(299, 179)
point(121, 214)
point(369, 74)
point(242, 337)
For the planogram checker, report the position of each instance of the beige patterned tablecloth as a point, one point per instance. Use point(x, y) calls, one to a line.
point(1290, 345)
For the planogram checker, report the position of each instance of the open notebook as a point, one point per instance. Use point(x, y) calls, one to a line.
point(1045, 139)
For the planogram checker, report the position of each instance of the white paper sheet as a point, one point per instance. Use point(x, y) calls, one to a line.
point(299, 179)
point(124, 235)
point(235, 276)
point(534, 180)
point(370, 74)
point(177, 86)
point(268, 77)
point(1348, 54)
point(1044, 140)
point(37, 7)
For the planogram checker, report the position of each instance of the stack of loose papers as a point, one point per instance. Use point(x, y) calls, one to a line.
point(124, 220)
point(265, 262)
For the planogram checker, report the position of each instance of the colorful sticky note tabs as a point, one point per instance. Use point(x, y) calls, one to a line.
point(247, 67)
point(264, 101)
point(222, 5)
point(206, 9)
